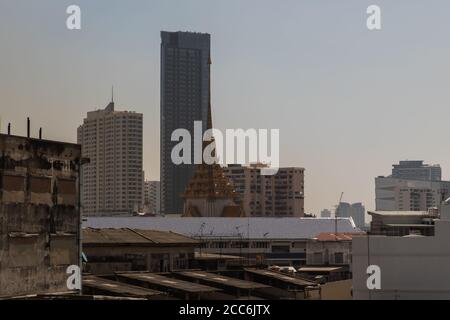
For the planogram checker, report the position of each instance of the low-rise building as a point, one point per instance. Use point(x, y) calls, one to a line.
point(410, 266)
point(125, 249)
point(268, 241)
point(402, 223)
point(329, 255)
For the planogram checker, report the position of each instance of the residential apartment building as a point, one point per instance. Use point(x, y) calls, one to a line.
point(394, 194)
point(279, 195)
point(185, 58)
point(112, 182)
point(152, 197)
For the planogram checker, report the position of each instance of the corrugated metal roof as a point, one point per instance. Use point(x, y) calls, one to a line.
point(133, 236)
point(399, 213)
point(253, 228)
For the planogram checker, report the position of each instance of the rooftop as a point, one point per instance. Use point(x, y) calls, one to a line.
point(399, 213)
point(328, 236)
point(253, 228)
point(127, 236)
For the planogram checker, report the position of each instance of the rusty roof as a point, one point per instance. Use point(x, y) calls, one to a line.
point(128, 236)
point(164, 283)
point(115, 287)
point(328, 236)
point(217, 279)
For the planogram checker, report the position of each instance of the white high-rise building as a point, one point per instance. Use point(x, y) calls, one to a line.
point(393, 194)
point(152, 197)
point(112, 181)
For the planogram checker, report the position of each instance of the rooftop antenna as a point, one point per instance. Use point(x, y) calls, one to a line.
point(112, 94)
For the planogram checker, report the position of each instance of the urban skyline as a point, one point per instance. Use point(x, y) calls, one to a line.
point(241, 74)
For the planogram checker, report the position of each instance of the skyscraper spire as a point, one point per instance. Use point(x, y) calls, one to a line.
point(112, 94)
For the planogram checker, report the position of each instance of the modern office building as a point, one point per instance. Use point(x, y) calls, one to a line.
point(279, 195)
point(394, 194)
point(184, 99)
point(112, 182)
point(416, 170)
point(152, 197)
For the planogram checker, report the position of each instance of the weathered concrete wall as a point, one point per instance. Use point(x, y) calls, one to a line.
point(39, 214)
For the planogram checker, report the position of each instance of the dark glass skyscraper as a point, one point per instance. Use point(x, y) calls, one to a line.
point(184, 99)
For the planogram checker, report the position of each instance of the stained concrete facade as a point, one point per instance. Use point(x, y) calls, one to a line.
point(39, 216)
point(411, 267)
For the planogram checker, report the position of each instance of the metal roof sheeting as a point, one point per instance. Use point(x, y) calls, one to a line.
point(253, 228)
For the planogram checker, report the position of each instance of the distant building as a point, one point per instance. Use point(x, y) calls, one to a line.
point(356, 211)
point(413, 267)
point(416, 170)
point(39, 215)
point(393, 194)
point(325, 213)
point(184, 99)
point(279, 195)
point(152, 197)
point(112, 181)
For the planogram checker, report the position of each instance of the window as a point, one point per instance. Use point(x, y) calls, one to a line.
point(338, 257)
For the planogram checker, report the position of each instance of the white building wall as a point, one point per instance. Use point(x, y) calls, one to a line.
point(411, 267)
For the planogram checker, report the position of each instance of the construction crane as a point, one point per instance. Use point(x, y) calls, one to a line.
point(335, 216)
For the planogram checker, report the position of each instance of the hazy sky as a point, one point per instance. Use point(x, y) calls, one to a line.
point(348, 102)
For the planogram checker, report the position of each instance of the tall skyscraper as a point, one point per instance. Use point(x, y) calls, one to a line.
point(152, 197)
point(416, 170)
point(113, 180)
point(325, 213)
point(184, 100)
point(279, 195)
point(356, 211)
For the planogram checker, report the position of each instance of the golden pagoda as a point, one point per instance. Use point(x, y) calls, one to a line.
point(210, 193)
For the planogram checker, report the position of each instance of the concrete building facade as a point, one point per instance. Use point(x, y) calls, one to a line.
point(279, 195)
point(112, 183)
point(393, 194)
point(185, 58)
point(411, 267)
point(152, 197)
point(39, 214)
point(124, 249)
